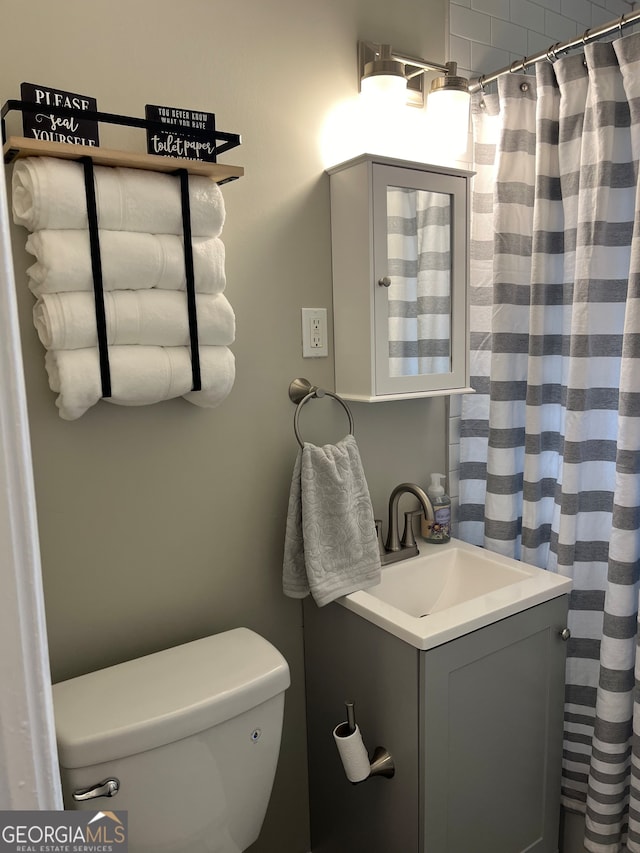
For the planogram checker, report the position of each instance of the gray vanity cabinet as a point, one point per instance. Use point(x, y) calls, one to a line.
point(474, 727)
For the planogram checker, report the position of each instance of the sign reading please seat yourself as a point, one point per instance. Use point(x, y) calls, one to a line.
point(46, 125)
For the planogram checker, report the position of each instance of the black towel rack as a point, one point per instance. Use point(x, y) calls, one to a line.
point(301, 391)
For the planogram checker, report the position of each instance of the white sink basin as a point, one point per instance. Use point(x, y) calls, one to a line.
point(450, 590)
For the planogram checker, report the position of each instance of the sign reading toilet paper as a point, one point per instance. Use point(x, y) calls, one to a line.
point(47, 125)
point(63, 831)
point(180, 143)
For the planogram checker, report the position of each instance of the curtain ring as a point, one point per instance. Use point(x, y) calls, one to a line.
point(553, 51)
point(621, 23)
point(585, 36)
point(512, 69)
point(481, 86)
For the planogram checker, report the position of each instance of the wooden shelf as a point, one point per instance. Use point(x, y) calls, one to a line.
point(19, 146)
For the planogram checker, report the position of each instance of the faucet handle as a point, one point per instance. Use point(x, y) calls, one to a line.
point(408, 539)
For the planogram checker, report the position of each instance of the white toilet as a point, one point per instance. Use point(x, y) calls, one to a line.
point(187, 738)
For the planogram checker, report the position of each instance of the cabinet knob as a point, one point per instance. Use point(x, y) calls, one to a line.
point(384, 282)
point(565, 634)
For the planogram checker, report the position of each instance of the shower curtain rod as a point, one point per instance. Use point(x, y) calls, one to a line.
point(560, 47)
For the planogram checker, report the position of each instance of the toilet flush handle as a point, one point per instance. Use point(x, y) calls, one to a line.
point(107, 788)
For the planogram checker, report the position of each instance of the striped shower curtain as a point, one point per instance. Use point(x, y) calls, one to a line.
point(550, 443)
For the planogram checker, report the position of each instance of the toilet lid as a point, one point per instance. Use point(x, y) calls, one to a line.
point(157, 699)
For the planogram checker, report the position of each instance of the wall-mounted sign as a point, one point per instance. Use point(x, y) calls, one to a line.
point(180, 144)
point(45, 124)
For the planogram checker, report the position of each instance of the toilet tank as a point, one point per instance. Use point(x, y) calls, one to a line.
point(192, 734)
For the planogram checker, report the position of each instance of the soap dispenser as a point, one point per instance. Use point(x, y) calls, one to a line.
point(438, 531)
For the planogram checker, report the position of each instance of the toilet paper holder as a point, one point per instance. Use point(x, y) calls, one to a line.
point(354, 755)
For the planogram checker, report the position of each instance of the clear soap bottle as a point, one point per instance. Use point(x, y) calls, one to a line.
point(438, 531)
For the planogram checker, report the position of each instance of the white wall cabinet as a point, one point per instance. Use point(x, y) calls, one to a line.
point(400, 236)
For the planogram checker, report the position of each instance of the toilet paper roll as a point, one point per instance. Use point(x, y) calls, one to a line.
point(353, 753)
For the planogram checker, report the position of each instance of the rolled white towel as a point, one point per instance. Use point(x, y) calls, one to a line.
point(139, 376)
point(145, 317)
point(130, 261)
point(50, 193)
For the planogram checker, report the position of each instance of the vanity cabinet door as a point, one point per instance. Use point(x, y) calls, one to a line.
point(491, 736)
point(400, 270)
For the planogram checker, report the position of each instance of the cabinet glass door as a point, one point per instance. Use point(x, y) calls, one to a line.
point(420, 272)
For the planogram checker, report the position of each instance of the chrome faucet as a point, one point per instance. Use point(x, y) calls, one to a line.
point(400, 549)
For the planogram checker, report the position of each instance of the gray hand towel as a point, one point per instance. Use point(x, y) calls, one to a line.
point(331, 547)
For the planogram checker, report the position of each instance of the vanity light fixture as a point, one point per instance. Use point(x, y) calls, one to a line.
point(399, 79)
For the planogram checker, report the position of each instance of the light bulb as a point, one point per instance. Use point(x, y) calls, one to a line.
point(384, 90)
point(448, 119)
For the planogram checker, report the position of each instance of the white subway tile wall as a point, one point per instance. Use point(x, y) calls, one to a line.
point(486, 35)
point(489, 34)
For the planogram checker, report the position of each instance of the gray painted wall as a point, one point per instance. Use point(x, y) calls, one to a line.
point(162, 524)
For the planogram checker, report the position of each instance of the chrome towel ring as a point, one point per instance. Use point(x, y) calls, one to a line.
point(301, 391)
